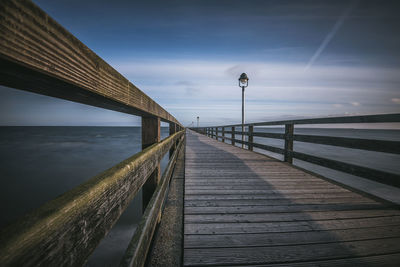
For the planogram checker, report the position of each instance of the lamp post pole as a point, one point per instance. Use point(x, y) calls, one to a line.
point(243, 82)
point(242, 116)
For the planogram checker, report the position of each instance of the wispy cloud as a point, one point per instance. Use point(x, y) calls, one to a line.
point(209, 89)
point(328, 38)
point(396, 100)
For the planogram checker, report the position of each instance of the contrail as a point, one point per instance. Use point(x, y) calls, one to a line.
point(331, 34)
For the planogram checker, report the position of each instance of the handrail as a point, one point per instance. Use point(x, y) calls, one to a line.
point(37, 54)
point(289, 137)
point(137, 250)
point(66, 230)
point(394, 117)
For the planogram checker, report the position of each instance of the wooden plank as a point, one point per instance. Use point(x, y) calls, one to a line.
point(253, 182)
point(372, 174)
point(386, 260)
point(355, 143)
point(37, 54)
point(290, 226)
point(394, 117)
point(289, 238)
point(288, 254)
point(262, 192)
point(282, 209)
point(272, 202)
point(290, 216)
point(269, 135)
point(74, 223)
point(259, 186)
point(270, 196)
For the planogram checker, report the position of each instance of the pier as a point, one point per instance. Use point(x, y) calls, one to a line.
point(243, 208)
point(215, 204)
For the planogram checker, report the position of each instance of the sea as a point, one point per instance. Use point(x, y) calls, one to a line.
point(38, 164)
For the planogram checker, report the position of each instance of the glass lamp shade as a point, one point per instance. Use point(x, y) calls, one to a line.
point(243, 80)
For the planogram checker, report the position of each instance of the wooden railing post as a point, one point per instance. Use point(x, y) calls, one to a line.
point(250, 140)
point(216, 133)
point(233, 135)
point(172, 130)
point(223, 134)
point(289, 129)
point(150, 135)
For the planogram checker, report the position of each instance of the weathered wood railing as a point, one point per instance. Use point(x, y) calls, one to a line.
point(37, 54)
point(289, 136)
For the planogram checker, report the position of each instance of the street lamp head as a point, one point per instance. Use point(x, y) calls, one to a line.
point(243, 80)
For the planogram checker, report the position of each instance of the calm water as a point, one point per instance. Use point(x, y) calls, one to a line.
point(40, 163)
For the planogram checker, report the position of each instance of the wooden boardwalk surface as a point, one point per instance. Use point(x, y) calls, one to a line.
point(245, 209)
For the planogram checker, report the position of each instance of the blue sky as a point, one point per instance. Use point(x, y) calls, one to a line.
point(303, 58)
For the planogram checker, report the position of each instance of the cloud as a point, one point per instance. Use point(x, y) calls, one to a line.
point(396, 100)
point(337, 105)
point(328, 38)
point(208, 88)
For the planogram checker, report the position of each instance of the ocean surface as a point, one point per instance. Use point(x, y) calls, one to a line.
point(40, 163)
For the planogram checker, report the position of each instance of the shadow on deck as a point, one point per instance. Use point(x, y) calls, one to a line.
point(243, 208)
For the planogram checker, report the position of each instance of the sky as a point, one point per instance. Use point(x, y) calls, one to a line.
point(303, 59)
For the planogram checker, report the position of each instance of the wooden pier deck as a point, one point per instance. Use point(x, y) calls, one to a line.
point(245, 209)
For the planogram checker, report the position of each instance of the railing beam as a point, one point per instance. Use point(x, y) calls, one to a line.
point(38, 55)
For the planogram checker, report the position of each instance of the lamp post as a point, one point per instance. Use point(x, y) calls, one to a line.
point(198, 118)
point(243, 82)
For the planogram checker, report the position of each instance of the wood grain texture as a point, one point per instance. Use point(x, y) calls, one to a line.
point(39, 55)
point(289, 254)
point(66, 230)
point(166, 248)
point(138, 248)
point(243, 208)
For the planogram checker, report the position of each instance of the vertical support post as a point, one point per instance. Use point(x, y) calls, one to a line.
point(289, 129)
point(223, 134)
point(250, 146)
point(172, 130)
point(233, 136)
point(216, 133)
point(150, 135)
